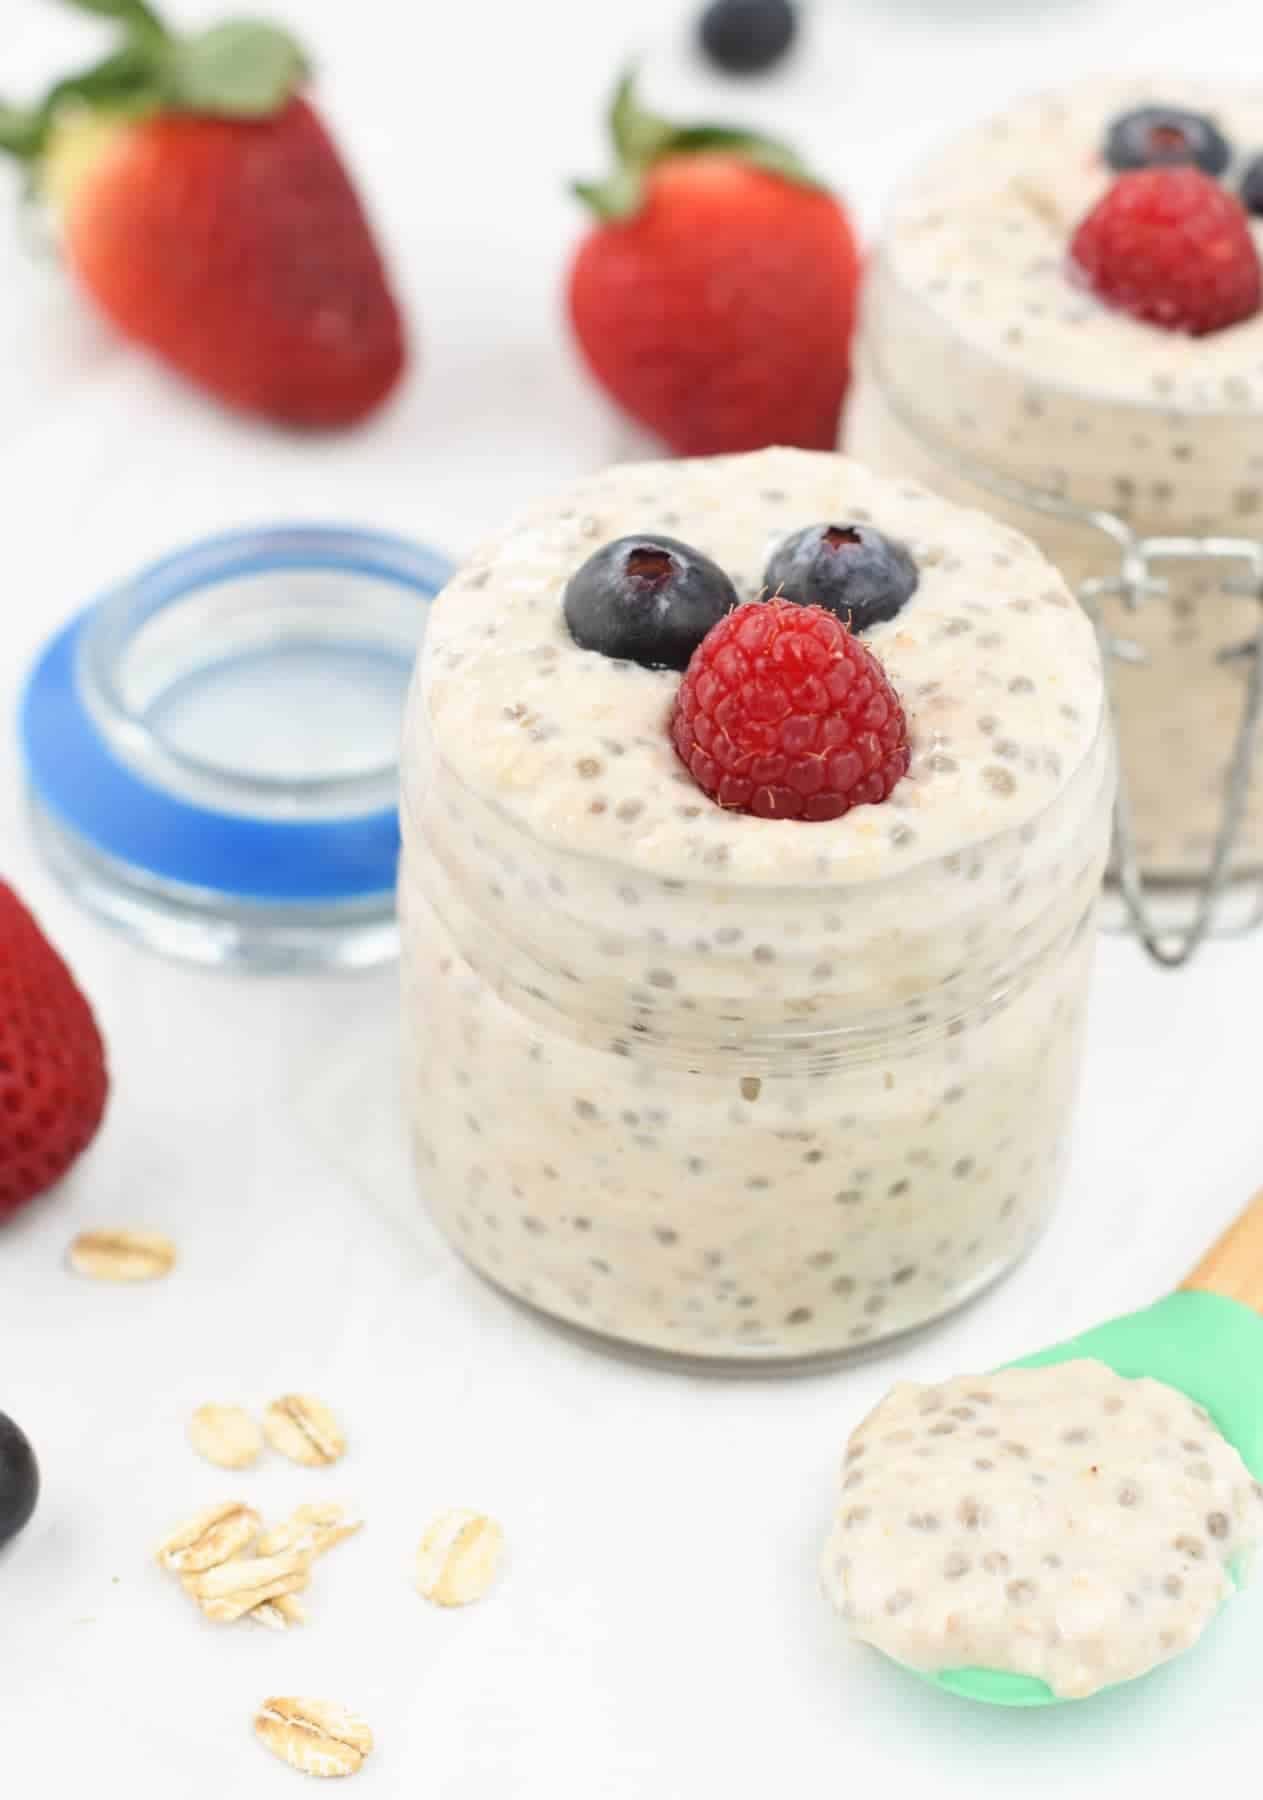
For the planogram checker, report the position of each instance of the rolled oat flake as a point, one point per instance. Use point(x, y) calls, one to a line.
point(316, 1737)
point(123, 1256)
point(302, 1428)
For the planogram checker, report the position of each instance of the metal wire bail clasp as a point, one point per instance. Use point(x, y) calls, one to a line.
point(1173, 945)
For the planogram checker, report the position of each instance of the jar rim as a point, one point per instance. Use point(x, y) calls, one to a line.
point(116, 621)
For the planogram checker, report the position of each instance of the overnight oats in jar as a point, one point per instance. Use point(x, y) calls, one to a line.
point(1064, 318)
point(769, 1076)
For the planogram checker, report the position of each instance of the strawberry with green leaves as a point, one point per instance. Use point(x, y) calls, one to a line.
point(205, 208)
point(714, 299)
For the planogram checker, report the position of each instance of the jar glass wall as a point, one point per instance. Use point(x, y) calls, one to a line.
point(988, 371)
point(740, 1126)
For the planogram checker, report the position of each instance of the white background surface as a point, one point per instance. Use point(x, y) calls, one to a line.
point(659, 1632)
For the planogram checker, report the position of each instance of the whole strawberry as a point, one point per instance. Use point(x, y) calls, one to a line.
point(53, 1080)
point(206, 210)
point(715, 298)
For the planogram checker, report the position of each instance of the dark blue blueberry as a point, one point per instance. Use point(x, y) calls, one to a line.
point(648, 600)
point(1154, 136)
point(1252, 187)
point(851, 570)
point(744, 37)
point(19, 1479)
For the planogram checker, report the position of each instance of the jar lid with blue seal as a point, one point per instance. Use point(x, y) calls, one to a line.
point(212, 748)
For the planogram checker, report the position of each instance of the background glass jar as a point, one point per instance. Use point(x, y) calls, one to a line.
point(737, 1124)
point(930, 404)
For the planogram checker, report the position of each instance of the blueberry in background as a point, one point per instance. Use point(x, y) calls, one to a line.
point(1159, 136)
point(851, 570)
point(1252, 187)
point(648, 600)
point(744, 37)
point(19, 1479)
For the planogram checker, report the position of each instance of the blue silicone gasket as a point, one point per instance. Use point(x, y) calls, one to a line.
point(77, 777)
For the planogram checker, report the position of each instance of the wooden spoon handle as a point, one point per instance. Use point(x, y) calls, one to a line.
point(1233, 1267)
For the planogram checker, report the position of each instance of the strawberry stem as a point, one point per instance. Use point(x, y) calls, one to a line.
point(642, 138)
point(242, 69)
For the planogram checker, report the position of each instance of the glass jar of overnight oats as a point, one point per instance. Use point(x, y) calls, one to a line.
point(983, 359)
point(731, 1089)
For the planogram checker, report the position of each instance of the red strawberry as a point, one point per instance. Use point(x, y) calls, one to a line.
point(53, 1081)
point(715, 299)
point(206, 210)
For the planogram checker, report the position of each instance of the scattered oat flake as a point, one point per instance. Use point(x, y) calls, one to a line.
point(279, 1614)
point(301, 1427)
point(122, 1255)
point(313, 1528)
point(459, 1557)
point(314, 1736)
point(226, 1436)
point(209, 1538)
point(230, 1590)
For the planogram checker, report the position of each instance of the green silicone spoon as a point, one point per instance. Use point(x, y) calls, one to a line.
point(1207, 1340)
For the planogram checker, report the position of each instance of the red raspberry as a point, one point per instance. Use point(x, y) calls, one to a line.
point(53, 1080)
point(783, 713)
point(1172, 247)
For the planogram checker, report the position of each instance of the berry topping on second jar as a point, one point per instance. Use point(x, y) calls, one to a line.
point(1173, 248)
point(648, 600)
point(784, 714)
point(744, 37)
point(853, 571)
point(1153, 136)
point(1252, 187)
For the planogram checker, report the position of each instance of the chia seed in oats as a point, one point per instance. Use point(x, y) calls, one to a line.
point(1042, 1579)
point(734, 961)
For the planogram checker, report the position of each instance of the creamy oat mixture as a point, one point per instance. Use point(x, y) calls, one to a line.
point(1060, 1522)
point(978, 340)
point(725, 1085)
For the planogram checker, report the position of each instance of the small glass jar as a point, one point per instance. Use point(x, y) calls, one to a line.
point(1131, 455)
point(212, 749)
point(844, 1119)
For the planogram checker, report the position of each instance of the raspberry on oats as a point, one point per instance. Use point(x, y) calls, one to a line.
point(783, 713)
point(1172, 247)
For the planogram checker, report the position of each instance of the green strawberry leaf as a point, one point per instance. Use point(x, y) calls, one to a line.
point(20, 130)
point(241, 70)
point(120, 82)
point(140, 18)
point(764, 152)
point(616, 198)
point(639, 136)
point(124, 82)
point(642, 138)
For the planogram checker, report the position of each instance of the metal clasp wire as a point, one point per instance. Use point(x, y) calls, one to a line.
point(1169, 945)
